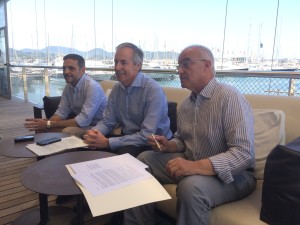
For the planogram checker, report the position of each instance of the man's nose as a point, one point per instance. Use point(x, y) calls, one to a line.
point(179, 70)
point(66, 70)
point(118, 65)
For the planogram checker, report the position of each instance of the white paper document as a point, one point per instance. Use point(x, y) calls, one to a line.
point(116, 183)
point(64, 144)
point(103, 175)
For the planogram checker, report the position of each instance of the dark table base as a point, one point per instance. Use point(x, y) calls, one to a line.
point(58, 215)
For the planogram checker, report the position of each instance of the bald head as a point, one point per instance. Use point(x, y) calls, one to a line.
point(203, 53)
point(196, 67)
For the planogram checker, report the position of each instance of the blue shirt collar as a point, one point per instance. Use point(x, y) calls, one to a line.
point(137, 82)
point(80, 83)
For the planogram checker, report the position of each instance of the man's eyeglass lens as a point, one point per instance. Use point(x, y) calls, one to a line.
point(186, 63)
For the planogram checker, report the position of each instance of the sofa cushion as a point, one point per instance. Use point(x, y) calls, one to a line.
point(269, 131)
point(107, 92)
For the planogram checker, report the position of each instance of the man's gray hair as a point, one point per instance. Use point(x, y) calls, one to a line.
point(138, 54)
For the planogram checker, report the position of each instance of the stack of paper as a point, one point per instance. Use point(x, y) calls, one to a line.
point(116, 183)
point(64, 144)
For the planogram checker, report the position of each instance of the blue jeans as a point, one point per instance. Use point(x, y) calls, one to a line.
point(196, 194)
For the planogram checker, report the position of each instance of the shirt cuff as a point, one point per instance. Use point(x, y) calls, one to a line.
point(221, 168)
point(114, 143)
point(180, 146)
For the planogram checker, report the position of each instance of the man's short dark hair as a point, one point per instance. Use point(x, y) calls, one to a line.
point(79, 58)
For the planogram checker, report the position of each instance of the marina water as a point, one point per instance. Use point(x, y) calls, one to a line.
point(247, 85)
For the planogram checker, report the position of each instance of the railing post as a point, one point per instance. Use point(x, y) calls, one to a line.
point(46, 77)
point(292, 86)
point(24, 76)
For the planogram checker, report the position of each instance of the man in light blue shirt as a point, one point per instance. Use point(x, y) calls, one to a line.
point(82, 102)
point(137, 103)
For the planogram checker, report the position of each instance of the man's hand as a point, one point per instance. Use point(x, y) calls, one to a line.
point(182, 167)
point(161, 143)
point(35, 124)
point(95, 139)
point(157, 142)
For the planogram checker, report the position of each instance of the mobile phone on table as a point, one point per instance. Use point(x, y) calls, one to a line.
point(24, 138)
point(48, 141)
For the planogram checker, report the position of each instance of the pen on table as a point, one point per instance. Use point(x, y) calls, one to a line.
point(158, 145)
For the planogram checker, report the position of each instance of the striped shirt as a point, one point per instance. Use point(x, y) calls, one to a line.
point(217, 124)
point(140, 110)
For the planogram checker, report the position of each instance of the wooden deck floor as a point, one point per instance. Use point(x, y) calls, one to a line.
point(15, 199)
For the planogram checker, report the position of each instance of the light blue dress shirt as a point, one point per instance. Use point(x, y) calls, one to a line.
point(87, 100)
point(140, 110)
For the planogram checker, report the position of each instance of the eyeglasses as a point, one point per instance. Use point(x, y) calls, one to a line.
point(185, 63)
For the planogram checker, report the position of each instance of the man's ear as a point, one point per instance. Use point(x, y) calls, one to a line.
point(82, 70)
point(207, 63)
point(139, 65)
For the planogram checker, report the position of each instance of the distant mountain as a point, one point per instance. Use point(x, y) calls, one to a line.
point(59, 50)
point(53, 52)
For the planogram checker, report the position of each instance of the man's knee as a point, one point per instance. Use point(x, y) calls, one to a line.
point(188, 191)
point(145, 156)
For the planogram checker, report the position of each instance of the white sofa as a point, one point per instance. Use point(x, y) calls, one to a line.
point(276, 122)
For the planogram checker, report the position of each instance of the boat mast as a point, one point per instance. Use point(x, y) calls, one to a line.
point(37, 33)
point(12, 38)
point(46, 38)
point(95, 33)
point(112, 28)
point(72, 40)
point(224, 35)
point(274, 42)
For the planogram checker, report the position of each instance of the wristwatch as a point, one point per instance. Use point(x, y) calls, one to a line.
point(48, 124)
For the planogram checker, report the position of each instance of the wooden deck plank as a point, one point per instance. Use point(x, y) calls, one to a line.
point(9, 177)
point(11, 172)
point(10, 186)
point(12, 167)
point(8, 161)
point(8, 182)
point(8, 198)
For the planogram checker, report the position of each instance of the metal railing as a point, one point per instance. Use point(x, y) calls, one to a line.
point(32, 83)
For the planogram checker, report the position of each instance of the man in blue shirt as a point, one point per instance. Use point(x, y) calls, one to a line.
point(82, 97)
point(137, 103)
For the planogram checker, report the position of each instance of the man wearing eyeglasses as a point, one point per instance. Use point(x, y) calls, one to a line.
point(211, 157)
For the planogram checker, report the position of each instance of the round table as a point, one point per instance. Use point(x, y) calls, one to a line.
point(50, 176)
point(9, 148)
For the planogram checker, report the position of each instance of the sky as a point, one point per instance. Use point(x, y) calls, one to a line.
point(165, 25)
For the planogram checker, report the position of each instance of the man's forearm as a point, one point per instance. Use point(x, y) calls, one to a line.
point(57, 122)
